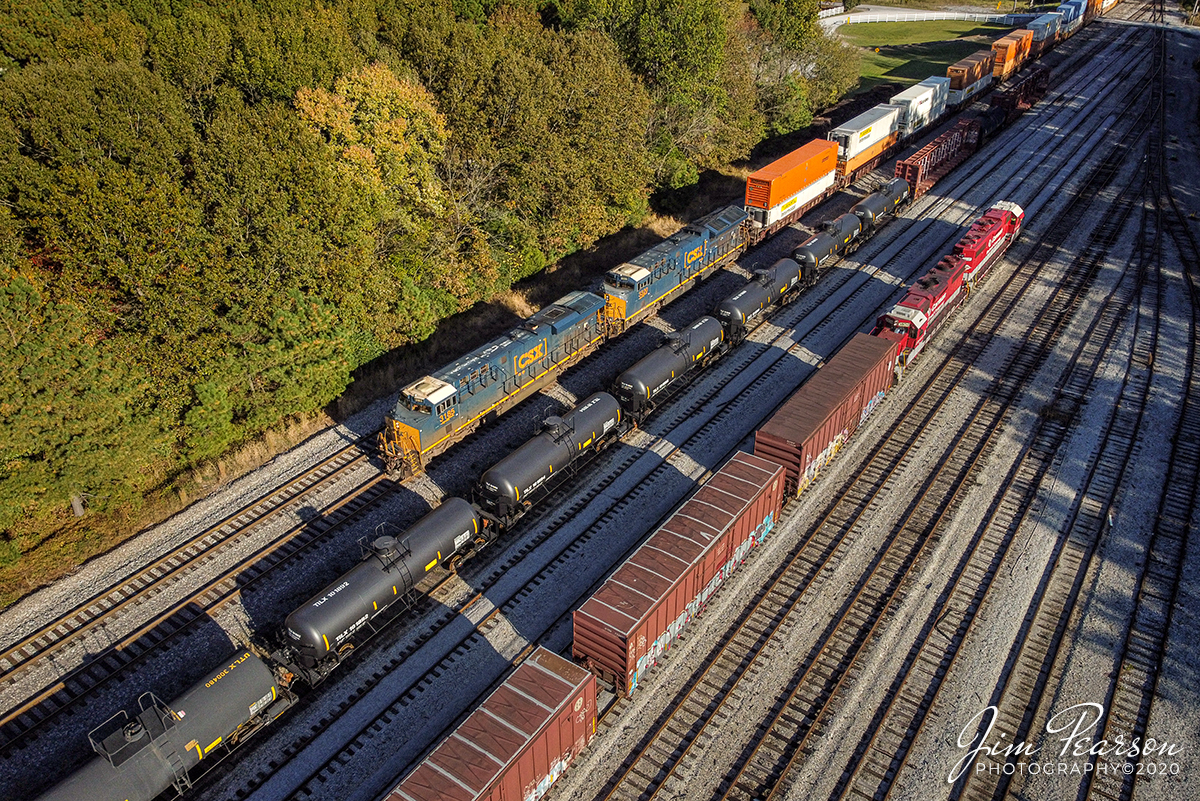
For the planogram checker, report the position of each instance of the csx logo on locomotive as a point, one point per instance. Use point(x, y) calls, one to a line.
point(530, 356)
point(695, 254)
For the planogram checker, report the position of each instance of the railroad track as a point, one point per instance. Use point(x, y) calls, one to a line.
point(1031, 671)
point(1134, 684)
point(26, 720)
point(650, 771)
point(1140, 649)
point(89, 613)
point(315, 783)
point(883, 750)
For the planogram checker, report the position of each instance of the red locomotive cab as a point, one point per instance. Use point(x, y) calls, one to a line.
point(905, 326)
point(1016, 217)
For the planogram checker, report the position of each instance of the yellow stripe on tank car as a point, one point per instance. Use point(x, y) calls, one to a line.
point(213, 745)
point(376, 605)
point(431, 565)
point(326, 639)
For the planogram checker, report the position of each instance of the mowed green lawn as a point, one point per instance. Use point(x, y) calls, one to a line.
point(908, 52)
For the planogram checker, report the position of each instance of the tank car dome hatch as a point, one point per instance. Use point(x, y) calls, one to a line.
point(384, 546)
point(133, 731)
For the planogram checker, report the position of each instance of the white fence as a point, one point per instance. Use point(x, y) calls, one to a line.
point(922, 16)
point(833, 12)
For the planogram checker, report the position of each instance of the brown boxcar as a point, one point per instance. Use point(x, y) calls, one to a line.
point(630, 623)
point(783, 178)
point(517, 743)
point(812, 425)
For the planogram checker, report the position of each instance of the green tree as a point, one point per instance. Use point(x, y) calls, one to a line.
point(687, 52)
point(72, 418)
point(295, 363)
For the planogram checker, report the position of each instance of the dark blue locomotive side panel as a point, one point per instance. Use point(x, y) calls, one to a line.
point(440, 409)
point(635, 289)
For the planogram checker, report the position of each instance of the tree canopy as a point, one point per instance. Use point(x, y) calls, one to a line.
point(212, 212)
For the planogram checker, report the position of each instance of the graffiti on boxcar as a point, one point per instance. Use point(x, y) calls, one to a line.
point(696, 606)
point(543, 785)
point(870, 407)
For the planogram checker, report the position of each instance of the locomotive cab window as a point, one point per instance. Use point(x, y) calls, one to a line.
point(416, 405)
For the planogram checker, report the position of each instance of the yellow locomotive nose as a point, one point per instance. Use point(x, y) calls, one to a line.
point(400, 446)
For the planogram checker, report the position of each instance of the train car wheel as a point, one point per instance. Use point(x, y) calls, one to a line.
point(344, 651)
point(454, 563)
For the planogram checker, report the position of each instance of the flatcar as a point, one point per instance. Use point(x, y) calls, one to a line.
point(513, 485)
point(327, 627)
point(142, 756)
point(438, 410)
point(640, 388)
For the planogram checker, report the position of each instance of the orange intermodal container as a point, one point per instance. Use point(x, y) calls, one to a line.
point(783, 178)
point(1024, 43)
point(971, 69)
point(1005, 51)
point(847, 167)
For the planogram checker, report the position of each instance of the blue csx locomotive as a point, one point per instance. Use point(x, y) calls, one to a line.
point(156, 750)
point(440, 409)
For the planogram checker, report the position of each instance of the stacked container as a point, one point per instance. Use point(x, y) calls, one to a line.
point(1072, 15)
point(1011, 51)
point(786, 186)
point(866, 137)
point(517, 742)
point(634, 619)
point(1045, 33)
point(970, 76)
point(921, 104)
point(812, 425)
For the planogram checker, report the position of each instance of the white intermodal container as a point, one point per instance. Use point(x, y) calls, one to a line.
point(958, 96)
point(1045, 26)
point(941, 94)
point(801, 198)
point(921, 104)
point(916, 108)
point(865, 130)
